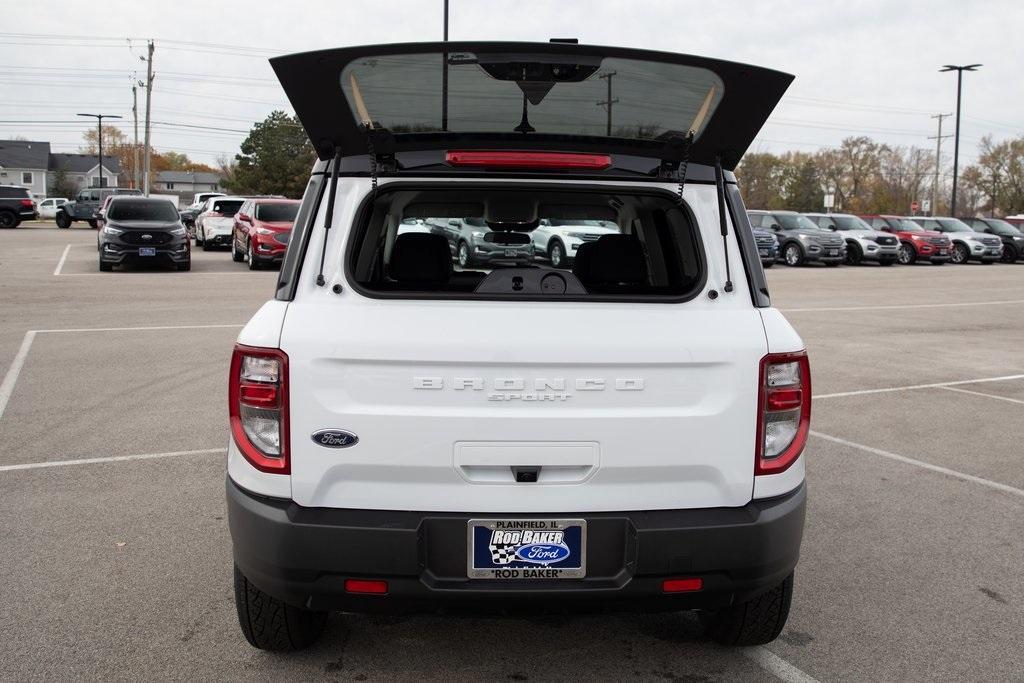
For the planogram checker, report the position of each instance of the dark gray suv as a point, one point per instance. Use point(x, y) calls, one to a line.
point(800, 240)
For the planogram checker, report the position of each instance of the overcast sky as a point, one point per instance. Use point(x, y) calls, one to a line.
point(868, 67)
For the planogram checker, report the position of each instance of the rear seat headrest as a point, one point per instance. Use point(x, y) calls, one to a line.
point(611, 260)
point(421, 257)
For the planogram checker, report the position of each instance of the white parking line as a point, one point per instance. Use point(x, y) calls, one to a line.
point(901, 306)
point(1005, 488)
point(777, 666)
point(7, 386)
point(113, 458)
point(63, 258)
point(139, 273)
point(978, 393)
point(911, 387)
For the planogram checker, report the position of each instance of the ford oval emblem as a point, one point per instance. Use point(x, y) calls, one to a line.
point(146, 236)
point(542, 553)
point(335, 438)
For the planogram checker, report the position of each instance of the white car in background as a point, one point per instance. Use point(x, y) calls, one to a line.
point(863, 243)
point(48, 207)
point(558, 239)
point(216, 221)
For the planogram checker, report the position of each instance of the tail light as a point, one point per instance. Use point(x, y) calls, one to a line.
point(783, 411)
point(258, 407)
point(520, 159)
point(27, 202)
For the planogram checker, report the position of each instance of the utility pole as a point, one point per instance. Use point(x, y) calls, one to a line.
point(938, 161)
point(149, 100)
point(956, 137)
point(135, 147)
point(99, 136)
point(607, 103)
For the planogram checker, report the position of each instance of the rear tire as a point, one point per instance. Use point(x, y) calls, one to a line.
point(757, 621)
point(94, 224)
point(9, 219)
point(269, 624)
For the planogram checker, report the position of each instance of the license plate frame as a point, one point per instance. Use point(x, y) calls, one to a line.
point(481, 564)
point(147, 251)
point(511, 253)
point(832, 252)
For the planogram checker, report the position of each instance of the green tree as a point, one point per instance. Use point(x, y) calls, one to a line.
point(61, 185)
point(802, 190)
point(275, 158)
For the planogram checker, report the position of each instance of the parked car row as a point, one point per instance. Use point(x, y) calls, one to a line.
point(838, 238)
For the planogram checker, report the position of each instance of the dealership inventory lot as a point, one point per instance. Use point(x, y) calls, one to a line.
point(121, 569)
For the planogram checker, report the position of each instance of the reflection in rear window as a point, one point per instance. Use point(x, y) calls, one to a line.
point(142, 210)
point(283, 213)
point(227, 207)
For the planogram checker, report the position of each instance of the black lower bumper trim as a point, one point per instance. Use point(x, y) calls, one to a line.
point(303, 556)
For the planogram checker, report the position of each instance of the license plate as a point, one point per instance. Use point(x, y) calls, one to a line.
point(527, 548)
point(763, 253)
point(943, 252)
point(147, 251)
point(832, 252)
point(511, 253)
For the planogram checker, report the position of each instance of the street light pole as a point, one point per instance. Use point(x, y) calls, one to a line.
point(99, 136)
point(956, 136)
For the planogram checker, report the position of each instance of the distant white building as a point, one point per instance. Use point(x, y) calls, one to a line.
point(32, 165)
point(185, 183)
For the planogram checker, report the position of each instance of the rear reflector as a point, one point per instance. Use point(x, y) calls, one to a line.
point(366, 587)
point(519, 159)
point(682, 585)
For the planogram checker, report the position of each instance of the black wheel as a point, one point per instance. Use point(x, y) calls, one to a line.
point(94, 224)
point(63, 220)
point(757, 621)
point(907, 254)
point(854, 255)
point(206, 244)
point(464, 255)
point(186, 266)
point(556, 254)
point(269, 624)
point(792, 254)
point(1010, 254)
point(767, 264)
point(9, 219)
point(960, 253)
point(250, 256)
point(106, 267)
point(199, 242)
point(236, 255)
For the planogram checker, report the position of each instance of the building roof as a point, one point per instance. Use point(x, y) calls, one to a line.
point(24, 154)
point(187, 177)
point(82, 163)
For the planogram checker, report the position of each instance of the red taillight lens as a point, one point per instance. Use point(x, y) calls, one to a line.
point(519, 159)
point(258, 406)
point(783, 411)
point(682, 585)
point(27, 202)
point(367, 587)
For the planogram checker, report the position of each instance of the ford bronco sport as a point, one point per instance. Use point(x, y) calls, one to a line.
point(408, 434)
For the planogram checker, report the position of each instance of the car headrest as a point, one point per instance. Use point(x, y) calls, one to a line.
point(421, 257)
point(612, 260)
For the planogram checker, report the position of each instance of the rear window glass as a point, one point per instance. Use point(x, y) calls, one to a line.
point(517, 93)
point(13, 192)
point(228, 207)
point(277, 212)
point(142, 210)
point(531, 244)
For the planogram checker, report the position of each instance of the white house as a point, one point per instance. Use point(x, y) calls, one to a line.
point(186, 183)
point(24, 163)
point(84, 169)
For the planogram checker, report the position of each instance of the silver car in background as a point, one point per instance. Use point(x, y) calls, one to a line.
point(863, 243)
point(968, 245)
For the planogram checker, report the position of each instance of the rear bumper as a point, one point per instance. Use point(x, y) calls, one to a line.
point(303, 556)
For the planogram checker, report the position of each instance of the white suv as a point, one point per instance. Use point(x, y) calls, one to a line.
point(863, 243)
point(408, 435)
point(559, 240)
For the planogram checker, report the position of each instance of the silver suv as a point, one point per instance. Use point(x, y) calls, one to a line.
point(968, 245)
point(863, 243)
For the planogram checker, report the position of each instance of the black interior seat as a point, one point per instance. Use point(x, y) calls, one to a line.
point(421, 261)
point(612, 264)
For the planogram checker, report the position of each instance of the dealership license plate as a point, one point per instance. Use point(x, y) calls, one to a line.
point(832, 252)
point(763, 253)
point(511, 253)
point(943, 252)
point(527, 548)
point(147, 251)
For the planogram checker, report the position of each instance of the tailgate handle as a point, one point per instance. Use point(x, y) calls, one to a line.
point(512, 462)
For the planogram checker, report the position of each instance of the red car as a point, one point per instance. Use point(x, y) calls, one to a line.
point(261, 231)
point(915, 242)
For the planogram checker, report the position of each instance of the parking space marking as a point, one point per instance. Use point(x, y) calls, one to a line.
point(978, 393)
point(911, 387)
point(112, 458)
point(901, 306)
point(777, 666)
point(1005, 488)
point(169, 272)
point(7, 386)
point(63, 258)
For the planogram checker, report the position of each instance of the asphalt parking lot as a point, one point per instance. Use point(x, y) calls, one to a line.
point(118, 567)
